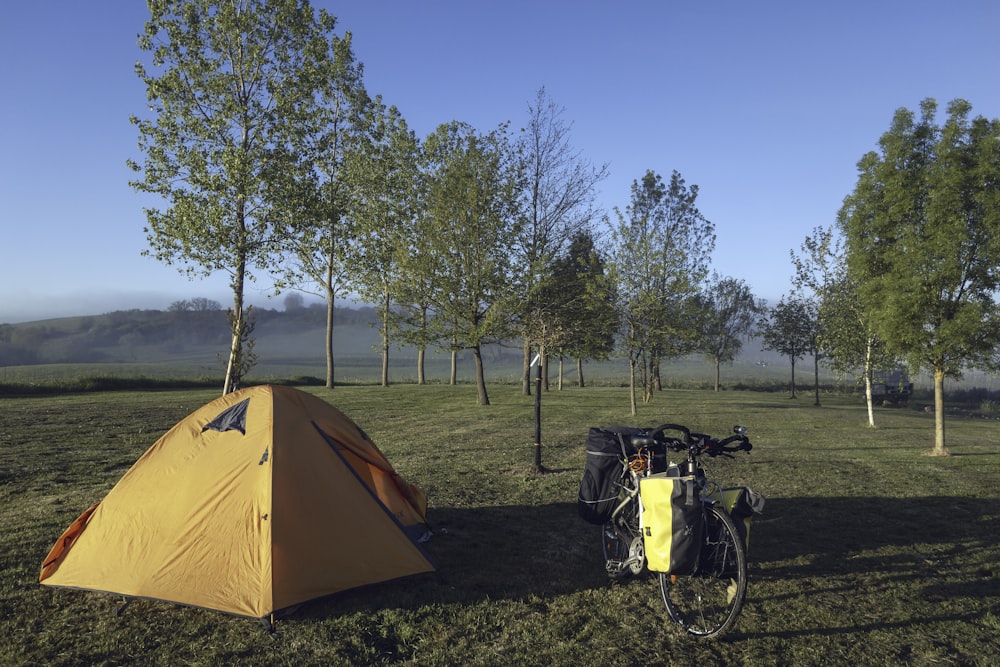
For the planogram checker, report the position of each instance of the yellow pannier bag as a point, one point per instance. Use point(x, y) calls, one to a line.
point(671, 521)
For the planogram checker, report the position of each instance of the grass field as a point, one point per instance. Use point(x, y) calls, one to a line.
point(869, 552)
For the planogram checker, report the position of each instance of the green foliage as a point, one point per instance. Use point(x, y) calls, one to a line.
point(215, 96)
point(579, 298)
point(790, 328)
point(385, 188)
point(867, 553)
point(922, 231)
point(923, 237)
point(226, 84)
point(661, 250)
point(727, 314)
point(469, 226)
point(846, 331)
point(308, 184)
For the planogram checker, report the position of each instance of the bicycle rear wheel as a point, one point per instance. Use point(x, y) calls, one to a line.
point(707, 603)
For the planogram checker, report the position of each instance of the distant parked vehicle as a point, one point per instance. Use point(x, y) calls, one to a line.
point(892, 386)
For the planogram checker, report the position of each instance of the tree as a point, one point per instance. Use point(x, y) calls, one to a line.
point(814, 343)
point(470, 227)
point(576, 314)
point(558, 203)
point(661, 247)
point(584, 292)
point(225, 79)
point(200, 304)
point(416, 294)
point(325, 127)
point(847, 336)
point(789, 328)
point(922, 231)
point(383, 177)
point(294, 302)
point(727, 315)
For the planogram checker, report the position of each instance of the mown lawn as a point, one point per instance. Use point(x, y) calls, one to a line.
point(869, 552)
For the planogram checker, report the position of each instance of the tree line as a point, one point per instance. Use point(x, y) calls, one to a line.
point(270, 157)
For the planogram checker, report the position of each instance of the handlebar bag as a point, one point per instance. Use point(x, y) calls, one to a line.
point(606, 450)
point(671, 523)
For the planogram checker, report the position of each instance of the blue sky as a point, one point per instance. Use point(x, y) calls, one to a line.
point(766, 106)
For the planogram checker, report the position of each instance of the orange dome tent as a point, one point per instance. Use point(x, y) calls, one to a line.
point(261, 500)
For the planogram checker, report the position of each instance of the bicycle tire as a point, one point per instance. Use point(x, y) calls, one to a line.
point(707, 603)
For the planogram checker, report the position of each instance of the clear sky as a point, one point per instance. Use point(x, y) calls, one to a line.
point(766, 106)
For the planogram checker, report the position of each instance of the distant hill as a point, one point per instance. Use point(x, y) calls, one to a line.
point(128, 335)
point(290, 343)
point(194, 344)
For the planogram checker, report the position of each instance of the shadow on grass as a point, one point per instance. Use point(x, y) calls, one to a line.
point(517, 552)
point(830, 534)
point(849, 565)
point(490, 553)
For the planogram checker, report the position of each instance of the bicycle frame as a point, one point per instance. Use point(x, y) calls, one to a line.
point(622, 558)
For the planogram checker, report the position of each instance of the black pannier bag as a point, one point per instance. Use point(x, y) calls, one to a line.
point(606, 449)
point(743, 503)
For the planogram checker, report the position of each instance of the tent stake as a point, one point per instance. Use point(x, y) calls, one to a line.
point(121, 609)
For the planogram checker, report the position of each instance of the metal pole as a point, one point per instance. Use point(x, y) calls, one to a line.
point(538, 411)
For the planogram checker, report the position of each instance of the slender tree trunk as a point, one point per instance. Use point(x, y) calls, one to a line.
point(477, 353)
point(868, 385)
point(538, 420)
point(385, 360)
point(631, 384)
point(453, 375)
point(793, 377)
point(939, 448)
point(331, 299)
point(718, 373)
point(422, 349)
point(579, 372)
point(526, 371)
point(649, 382)
point(234, 366)
point(561, 359)
point(236, 344)
point(869, 400)
point(816, 375)
point(385, 339)
point(544, 361)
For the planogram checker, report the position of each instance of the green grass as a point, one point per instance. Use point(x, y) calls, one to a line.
point(869, 552)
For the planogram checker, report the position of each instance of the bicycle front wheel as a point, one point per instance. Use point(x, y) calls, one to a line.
point(707, 603)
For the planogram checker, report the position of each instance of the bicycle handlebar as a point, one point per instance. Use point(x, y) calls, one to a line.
point(695, 443)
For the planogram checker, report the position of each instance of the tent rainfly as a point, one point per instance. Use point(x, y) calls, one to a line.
point(255, 503)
